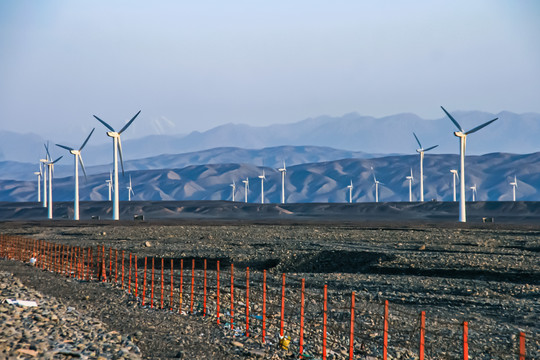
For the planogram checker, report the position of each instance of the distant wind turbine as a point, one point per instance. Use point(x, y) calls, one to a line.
point(514, 187)
point(130, 189)
point(376, 186)
point(233, 185)
point(350, 187)
point(283, 170)
point(462, 135)
point(38, 173)
point(44, 162)
point(454, 177)
point(110, 185)
point(410, 178)
point(473, 188)
point(50, 168)
point(262, 177)
point(421, 151)
point(246, 188)
point(77, 156)
point(117, 150)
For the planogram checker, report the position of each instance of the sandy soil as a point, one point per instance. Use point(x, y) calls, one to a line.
point(488, 275)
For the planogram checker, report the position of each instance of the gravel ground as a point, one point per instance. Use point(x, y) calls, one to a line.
point(486, 275)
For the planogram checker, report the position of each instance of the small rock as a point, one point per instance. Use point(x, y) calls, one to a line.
point(147, 244)
point(237, 344)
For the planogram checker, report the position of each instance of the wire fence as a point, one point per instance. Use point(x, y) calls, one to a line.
point(277, 309)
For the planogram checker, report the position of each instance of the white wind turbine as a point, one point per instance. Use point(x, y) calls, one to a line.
point(421, 151)
point(130, 189)
point(410, 178)
point(117, 150)
point(50, 168)
point(110, 185)
point(43, 162)
point(462, 135)
point(474, 193)
point(376, 186)
point(262, 177)
point(246, 188)
point(514, 187)
point(454, 177)
point(38, 173)
point(233, 185)
point(283, 170)
point(350, 187)
point(77, 156)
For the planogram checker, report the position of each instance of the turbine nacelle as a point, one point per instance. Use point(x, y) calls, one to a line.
point(113, 134)
point(460, 134)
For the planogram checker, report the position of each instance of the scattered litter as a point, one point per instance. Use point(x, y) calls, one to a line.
point(33, 261)
point(284, 342)
point(21, 302)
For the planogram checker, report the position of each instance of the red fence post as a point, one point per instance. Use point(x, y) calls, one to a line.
point(264, 309)
point(422, 333)
point(351, 333)
point(204, 290)
point(325, 314)
point(123, 257)
point(247, 301)
point(192, 284)
point(521, 346)
point(232, 296)
point(302, 296)
point(136, 277)
point(152, 289)
point(116, 265)
point(217, 293)
point(172, 287)
point(181, 285)
point(129, 274)
point(110, 265)
point(161, 299)
point(385, 331)
point(104, 265)
point(465, 340)
point(282, 315)
point(144, 280)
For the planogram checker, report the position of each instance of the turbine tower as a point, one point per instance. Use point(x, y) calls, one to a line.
point(262, 177)
point(473, 188)
point(77, 156)
point(50, 168)
point(376, 186)
point(350, 187)
point(38, 173)
point(421, 151)
point(462, 135)
point(246, 187)
point(117, 150)
point(130, 189)
point(43, 162)
point(514, 186)
point(454, 177)
point(283, 170)
point(233, 185)
point(410, 178)
point(109, 184)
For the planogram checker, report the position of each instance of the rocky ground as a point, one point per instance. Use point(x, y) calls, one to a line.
point(487, 275)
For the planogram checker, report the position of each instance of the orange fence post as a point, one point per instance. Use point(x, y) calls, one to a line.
point(172, 273)
point(282, 321)
point(152, 290)
point(129, 274)
point(325, 314)
point(181, 285)
point(264, 309)
point(204, 290)
point(110, 265)
point(217, 293)
point(192, 284)
point(351, 334)
point(136, 277)
point(385, 331)
point(521, 346)
point(232, 296)
point(161, 302)
point(465, 340)
point(116, 265)
point(422, 333)
point(247, 301)
point(123, 257)
point(302, 296)
point(104, 265)
point(144, 281)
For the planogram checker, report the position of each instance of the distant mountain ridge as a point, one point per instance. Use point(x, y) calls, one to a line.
point(512, 133)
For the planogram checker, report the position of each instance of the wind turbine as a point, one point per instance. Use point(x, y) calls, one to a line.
point(350, 187)
point(246, 187)
point(109, 184)
point(233, 185)
point(130, 189)
point(38, 173)
point(43, 162)
point(421, 151)
point(454, 177)
point(410, 178)
point(283, 170)
point(77, 154)
point(514, 186)
point(462, 135)
point(50, 168)
point(473, 188)
point(117, 150)
point(376, 186)
point(262, 177)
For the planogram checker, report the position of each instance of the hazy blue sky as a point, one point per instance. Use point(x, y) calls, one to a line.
point(192, 65)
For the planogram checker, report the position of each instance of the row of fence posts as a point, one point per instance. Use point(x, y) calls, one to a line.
point(77, 262)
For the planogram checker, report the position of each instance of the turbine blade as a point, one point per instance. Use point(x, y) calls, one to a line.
point(47, 150)
point(104, 123)
point(82, 165)
point(120, 154)
point(129, 123)
point(431, 148)
point(418, 141)
point(85, 141)
point(480, 127)
point(64, 147)
point(453, 120)
point(57, 159)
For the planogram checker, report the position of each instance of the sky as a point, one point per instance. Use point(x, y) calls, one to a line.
point(194, 65)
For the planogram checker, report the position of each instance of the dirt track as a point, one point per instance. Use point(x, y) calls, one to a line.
point(489, 276)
